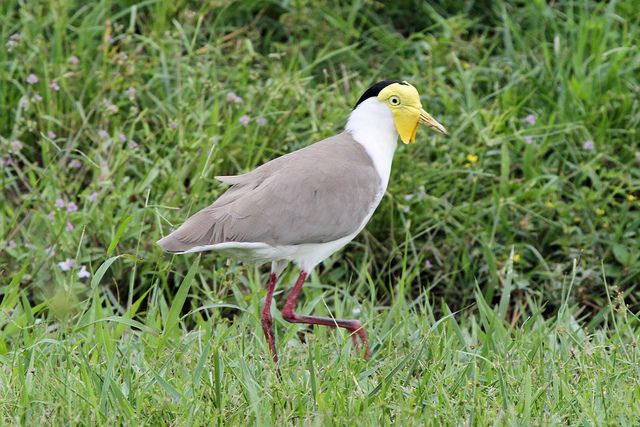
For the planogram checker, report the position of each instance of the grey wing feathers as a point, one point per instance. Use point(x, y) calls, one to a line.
point(315, 195)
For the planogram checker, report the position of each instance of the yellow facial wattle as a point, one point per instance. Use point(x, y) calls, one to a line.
point(404, 101)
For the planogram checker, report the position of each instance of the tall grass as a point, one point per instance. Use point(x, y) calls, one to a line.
point(498, 278)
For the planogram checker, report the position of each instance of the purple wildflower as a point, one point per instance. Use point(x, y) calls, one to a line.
point(244, 120)
point(528, 140)
point(173, 125)
point(32, 79)
point(72, 207)
point(83, 273)
point(530, 119)
point(11, 244)
point(93, 197)
point(261, 121)
point(131, 92)
point(133, 144)
point(51, 215)
point(54, 86)
point(60, 203)
point(51, 135)
point(51, 251)
point(122, 137)
point(73, 60)
point(588, 145)
point(75, 164)
point(16, 145)
point(70, 226)
point(427, 264)
point(67, 264)
point(103, 134)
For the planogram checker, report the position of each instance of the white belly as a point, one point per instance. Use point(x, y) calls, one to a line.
point(306, 255)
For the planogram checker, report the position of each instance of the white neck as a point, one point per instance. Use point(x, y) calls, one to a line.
point(371, 124)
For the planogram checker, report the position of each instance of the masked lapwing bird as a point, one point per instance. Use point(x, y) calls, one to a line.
point(302, 207)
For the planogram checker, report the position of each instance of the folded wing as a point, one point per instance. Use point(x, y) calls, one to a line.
point(315, 195)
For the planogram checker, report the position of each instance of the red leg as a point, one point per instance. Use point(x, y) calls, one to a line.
point(267, 321)
point(353, 326)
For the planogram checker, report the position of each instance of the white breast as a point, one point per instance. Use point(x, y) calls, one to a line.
point(371, 124)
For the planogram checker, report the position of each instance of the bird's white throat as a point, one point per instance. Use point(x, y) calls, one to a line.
point(371, 124)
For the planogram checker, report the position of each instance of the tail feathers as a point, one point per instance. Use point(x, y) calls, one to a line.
point(171, 244)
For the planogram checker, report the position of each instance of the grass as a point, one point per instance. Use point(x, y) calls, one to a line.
point(498, 279)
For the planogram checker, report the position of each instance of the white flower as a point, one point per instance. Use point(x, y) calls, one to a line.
point(83, 273)
point(234, 98)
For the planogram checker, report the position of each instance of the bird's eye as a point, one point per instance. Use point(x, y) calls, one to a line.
point(394, 100)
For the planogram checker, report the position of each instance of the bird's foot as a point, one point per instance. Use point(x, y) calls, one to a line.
point(360, 332)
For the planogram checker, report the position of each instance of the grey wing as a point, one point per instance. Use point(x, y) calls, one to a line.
point(312, 196)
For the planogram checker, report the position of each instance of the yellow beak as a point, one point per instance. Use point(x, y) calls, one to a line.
point(408, 119)
point(426, 119)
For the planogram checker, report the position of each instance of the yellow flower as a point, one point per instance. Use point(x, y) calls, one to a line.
point(516, 257)
point(631, 197)
point(467, 165)
point(577, 219)
point(472, 158)
point(550, 205)
point(600, 212)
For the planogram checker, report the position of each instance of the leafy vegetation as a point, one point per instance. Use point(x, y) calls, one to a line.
point(498, 279)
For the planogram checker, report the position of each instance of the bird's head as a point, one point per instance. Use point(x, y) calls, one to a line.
point(404, 102)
